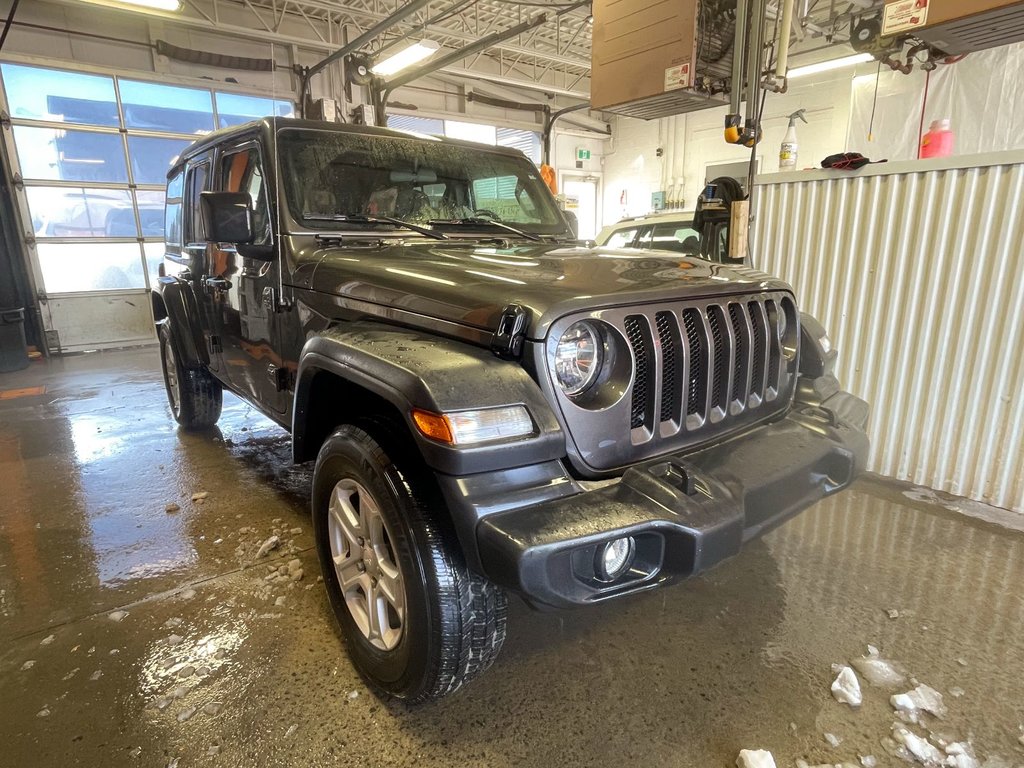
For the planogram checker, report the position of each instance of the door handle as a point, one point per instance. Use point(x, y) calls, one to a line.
point(218, 283)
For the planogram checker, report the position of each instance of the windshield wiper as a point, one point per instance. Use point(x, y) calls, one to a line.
point(481, 222)
point(358, 218)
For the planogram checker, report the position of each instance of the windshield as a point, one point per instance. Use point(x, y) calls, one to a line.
point(330, 174)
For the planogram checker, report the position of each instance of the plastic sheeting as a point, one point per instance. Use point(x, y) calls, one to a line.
point(983, 95)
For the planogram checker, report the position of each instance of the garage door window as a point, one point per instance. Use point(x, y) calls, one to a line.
point(58, 96)
point(94, 151)
point(56, 154)
point(155, 107)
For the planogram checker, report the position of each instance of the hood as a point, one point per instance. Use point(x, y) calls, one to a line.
point(464, 283)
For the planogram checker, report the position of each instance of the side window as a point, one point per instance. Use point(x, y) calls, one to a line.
point(241, 171)
point(646, 238)
point(172, 210)
point(622, 238)
point(195, 233)
point(673, 237)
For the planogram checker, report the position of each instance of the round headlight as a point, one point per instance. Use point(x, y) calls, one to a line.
point(578, 358)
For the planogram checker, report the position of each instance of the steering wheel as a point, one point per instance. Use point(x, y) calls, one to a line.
point(486, 212)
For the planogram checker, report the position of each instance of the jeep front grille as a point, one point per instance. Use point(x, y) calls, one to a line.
point(680, 374)
point(712, 358)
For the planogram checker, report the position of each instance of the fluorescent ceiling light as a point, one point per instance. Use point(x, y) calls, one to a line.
point(160, 5)
point(826, 66)
point(406, 57)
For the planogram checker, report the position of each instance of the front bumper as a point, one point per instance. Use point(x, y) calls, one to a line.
point(686, 513)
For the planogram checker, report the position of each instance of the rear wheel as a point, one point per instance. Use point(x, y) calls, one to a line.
point(195, 396)
point(417, 623)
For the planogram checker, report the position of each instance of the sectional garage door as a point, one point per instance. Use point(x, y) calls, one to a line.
point(90, 152)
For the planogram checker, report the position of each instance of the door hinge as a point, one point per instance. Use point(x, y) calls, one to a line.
point(282, 378)
point(507, 341)
point(272, 303)
point(215, 345)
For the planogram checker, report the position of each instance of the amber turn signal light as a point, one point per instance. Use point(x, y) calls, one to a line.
point(433, 425)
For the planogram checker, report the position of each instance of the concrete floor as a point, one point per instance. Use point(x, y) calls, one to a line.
point(684, 677)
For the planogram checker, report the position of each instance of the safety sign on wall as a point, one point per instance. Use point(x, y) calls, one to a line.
point(904, 16)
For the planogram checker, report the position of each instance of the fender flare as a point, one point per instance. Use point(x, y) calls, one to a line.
point(179, 307)
point(410, 369)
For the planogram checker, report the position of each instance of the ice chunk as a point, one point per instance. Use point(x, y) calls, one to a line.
point(868, 761)
point(28, 665)
point(755, 758)
point(117, 615)
point(956, 692)
point(892, 613)
point(291, 729)
point(200, 496)
point(879, 671)
point(961, 755)
point(212, 708)
point(833, 740)
point(186, 714)
point(47, 640)
point(270, 544)
point(846, 688)
point(922, 699)
point(174, 640)
point(919, 748)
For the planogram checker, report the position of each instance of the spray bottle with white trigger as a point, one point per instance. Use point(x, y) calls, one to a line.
point(788, 150)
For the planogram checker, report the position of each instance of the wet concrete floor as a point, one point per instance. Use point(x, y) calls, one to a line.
point(134, 636)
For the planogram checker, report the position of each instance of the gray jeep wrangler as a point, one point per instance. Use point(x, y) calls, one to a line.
point(492, 408)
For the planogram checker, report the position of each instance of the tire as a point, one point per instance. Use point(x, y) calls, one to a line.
point(195, 396)
point(453, 623)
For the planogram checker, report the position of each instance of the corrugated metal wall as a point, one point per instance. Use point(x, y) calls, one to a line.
point(919, 277)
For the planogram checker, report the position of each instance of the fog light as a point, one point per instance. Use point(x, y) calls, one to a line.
point(614, 558)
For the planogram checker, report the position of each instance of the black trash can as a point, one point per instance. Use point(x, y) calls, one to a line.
point(13, 349)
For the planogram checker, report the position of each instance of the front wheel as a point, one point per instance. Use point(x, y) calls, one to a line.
point(195, 397)
point(417, 623)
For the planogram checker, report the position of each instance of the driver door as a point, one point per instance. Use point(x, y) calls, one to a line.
point(247, 325)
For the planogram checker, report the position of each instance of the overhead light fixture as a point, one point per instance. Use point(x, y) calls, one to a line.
point(405, 58)
point(827, 66)
point(158, 5)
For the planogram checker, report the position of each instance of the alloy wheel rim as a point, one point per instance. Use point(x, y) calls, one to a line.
point(365, 564)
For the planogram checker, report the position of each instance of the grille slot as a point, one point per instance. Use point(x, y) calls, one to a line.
point(741, 351)
point(671, 366)
point(643, 380)
point(760, 333)
point(696, 389)
point(718, 383)
point(774, 346)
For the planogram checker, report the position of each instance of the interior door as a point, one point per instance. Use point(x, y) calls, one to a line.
point(581, 199)
point(241, 286)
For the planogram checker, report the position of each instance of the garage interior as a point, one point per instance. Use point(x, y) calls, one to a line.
point(141, 622)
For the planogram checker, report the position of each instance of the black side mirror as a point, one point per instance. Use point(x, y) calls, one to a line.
point(227, 217)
